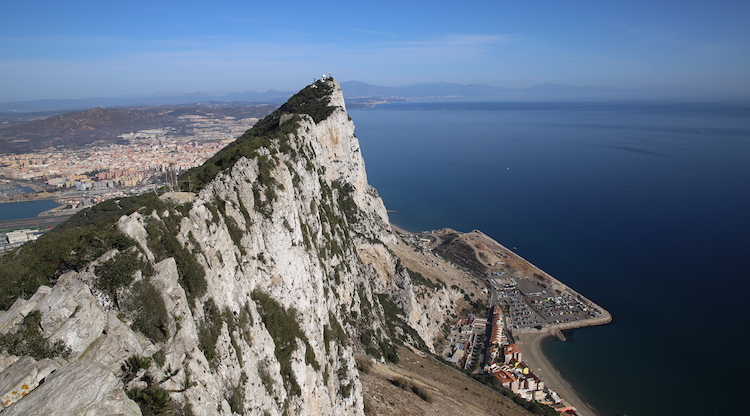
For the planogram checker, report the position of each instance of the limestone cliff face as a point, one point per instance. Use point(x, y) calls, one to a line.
point(251, 291)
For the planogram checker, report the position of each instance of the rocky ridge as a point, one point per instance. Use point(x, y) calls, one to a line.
point(247, 293)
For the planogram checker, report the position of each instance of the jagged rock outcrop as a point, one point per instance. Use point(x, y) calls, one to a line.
point(247, 293)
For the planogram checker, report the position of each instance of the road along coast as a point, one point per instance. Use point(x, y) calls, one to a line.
point(536, 304)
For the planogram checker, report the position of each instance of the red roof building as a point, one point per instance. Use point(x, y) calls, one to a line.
point(512, 353)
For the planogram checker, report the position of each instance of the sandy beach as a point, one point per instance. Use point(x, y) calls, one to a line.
point(530, 345)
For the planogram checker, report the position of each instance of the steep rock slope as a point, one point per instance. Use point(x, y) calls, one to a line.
point(247, 293)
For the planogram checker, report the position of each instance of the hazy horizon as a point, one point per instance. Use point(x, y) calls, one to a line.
point(368, 95)
point(79, 49)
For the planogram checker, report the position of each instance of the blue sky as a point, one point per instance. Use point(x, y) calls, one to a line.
point(82, 48)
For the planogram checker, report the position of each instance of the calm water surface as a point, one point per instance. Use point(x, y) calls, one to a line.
point(27, 209)
point(642, 207)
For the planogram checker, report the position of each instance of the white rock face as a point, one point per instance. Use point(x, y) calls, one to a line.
point(77, 389)
point(293, 247)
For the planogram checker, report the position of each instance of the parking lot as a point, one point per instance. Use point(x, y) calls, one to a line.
point(531, 303)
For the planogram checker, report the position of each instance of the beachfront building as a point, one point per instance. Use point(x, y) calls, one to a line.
point(519, 379)
point(507, 380)
point(512, 353)
point(533, 383)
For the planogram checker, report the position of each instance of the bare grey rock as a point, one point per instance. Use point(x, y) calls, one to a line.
point(82, 388)
point(23, 376)
point(20, 308)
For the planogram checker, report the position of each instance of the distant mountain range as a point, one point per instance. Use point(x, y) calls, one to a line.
point(355, 92)
point(442, 90)
point(102, 126)
point(268, 97)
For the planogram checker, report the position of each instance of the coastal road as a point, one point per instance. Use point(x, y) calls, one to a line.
point(493, 293)
point(32, 222)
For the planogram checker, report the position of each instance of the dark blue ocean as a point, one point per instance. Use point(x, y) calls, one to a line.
point(644, 207)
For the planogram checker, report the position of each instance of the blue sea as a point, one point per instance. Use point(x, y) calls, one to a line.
point(26, 209)
point(644, 207)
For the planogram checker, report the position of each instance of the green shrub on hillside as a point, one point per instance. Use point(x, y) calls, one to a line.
point(314, 101)
point(164, 244)
point(147, 310)
point(417, 278)
point(72, 245)
point(407, 385)
point(107, 213)
point(41, 262)
point(119, 271)
point(210, 329)
point(28, 340)
point(346, 202)
point(283, 327)
point(393, 315)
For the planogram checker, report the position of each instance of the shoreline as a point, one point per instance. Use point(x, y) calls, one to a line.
point(530, 344)
point(530, 340)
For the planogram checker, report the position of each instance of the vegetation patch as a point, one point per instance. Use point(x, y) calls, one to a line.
point(152, 399)
point(379, 346)
point(337, 329)
point(345, 385)
point(265, 377)
point(459, 252)
point(60, 250)
point(314, 101)
point(235, 231)
point(118, 272)
point(407, 385)
point(86, 236)
point(236, 396)
point(393, 314)
point(244, 212)
point(28, 340)
point(283, 327)
point(421, 280)
point(364, 364)
point(147, 310)
point(478, 308)
point(210, 329)
point(108, 212)
point(164, 244)
point(346, 201)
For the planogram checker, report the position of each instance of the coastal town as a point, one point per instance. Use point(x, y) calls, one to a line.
point(77, 178)
point(141, 156)
point(470, 348)
point(524, 302)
